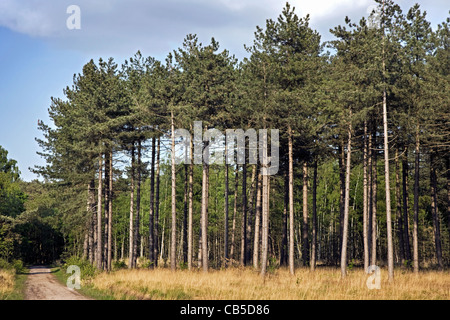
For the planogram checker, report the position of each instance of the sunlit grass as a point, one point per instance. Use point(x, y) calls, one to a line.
point(247, 284)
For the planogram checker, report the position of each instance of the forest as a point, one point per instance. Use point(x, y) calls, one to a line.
point(364, 165)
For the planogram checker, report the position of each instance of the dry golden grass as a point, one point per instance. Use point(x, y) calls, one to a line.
point(6, 282)
point(246, 284)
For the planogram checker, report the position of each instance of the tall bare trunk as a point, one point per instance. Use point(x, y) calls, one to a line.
point(138, 204)
point(151, 220)
point(314, 219)
point(173, 241)
point(398, 202)
point(434, 211)
point(251, 213)
point(257, 222)
point(99, 212)
point(225, 232)
point(185, 213)
point(242, 260)
point(205, 196)
point(284, 254)
point(110, 189)
point(156, 207)
point(346, 205)
point(405, 206)
point(416, 204)
point(107, 200)
point(305, 229)
point(233, 227)
point(388, 192)
point(374, 199)
point(92, 219)
point(265, 223)
point(365, 202)
point(131, 234)
point(190, 205)
point(291, 202)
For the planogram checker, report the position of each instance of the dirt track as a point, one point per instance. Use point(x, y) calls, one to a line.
point(42, 285)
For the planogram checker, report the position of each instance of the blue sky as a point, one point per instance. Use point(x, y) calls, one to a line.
point(39, 55)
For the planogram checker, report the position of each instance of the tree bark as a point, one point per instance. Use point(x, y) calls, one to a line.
point(110, 189)
point(257, 223)
point(251, 213)
point(434, 211)
point(291, 202)
point(138, 204)
point(185, 212)
point(131, 234)
point(305, 229)
point(233, 227)
point(416, 204)
point(365, 202)
point(314, 218)
point(190, 205)
point(398, 201)
point(173, 243)
point(99, 212)
point(225, 231)
point(265, 223)
point(242, 260)
point(405, 206)
point(388, 192)
point(107, 200)
point(346, 205)
point(151, 219)
point(92, 219)
point(156, 207)
point(374, 199)
point(205, 196)
point(284, 252)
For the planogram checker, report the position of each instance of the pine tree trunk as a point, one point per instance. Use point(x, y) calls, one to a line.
point(416, 205)
point(374, 199)
point(448, 195)
point(346, 205)
point(284, 256)
point(173, 240)
point(151, 219)
point(370, 191)
point(110, 210)
point(205, 196)
point(251, 213)
point(406, 206)
point(131, 231)
point(99, 213)
point(398, 202)
point(388, 192)
point(314, 219)
point(185, 213)
point(156, 206)
point(242, 260)
point(92, 219)
point(341, 163)
point(305, 229)
point(225, 232)
point(107, 200)
point(434, 211)
point(291, 202)
point(138, 205)
point(365, 202)
point(233, 227)
point(257, 222)
point(190, 204)
point(265, 223)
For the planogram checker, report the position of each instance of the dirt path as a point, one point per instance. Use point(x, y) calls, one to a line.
point(42, 285)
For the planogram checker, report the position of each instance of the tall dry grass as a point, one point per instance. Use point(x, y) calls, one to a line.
point(6, 283)
point(246, 284)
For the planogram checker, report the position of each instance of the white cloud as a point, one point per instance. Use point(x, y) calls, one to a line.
point(119, 27)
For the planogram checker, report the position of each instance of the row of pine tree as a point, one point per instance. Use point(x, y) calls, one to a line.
point(363, 118)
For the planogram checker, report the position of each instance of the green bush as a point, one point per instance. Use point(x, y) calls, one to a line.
point(18, 266)
point(87, 270)
point(119, 264)
point(4, 264)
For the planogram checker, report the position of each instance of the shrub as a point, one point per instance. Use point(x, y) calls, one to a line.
point(87, 270)
point(119, 264)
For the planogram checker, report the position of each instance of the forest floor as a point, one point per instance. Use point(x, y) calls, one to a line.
point(43, 285)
